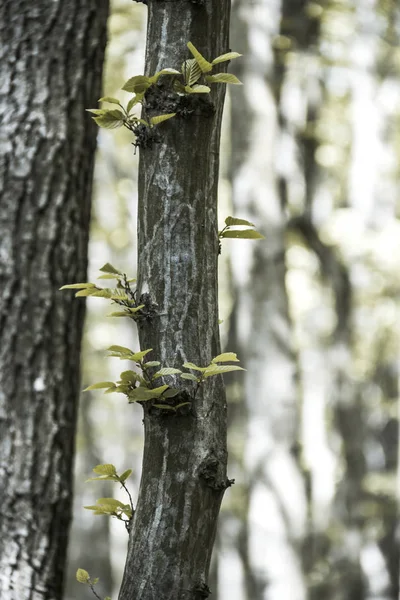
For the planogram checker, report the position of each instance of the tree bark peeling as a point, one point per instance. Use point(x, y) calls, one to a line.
point(175, 521)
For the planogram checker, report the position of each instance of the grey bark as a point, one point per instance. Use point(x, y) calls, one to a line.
point(51, 55)
point(184, 462)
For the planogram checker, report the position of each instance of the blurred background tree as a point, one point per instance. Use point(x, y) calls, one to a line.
point(310, 154)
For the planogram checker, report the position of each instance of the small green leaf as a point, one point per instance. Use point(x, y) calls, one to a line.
point(244, 234)
point(225, 357)
point(138, 356)
point(166, 371)
point(165, 407)
point(82, 576)
point(138, 84)
point(189, 376)
point(105, 469)
point(191, 71)
point(142, 394)
point(132, 102)
point(223, 78)
point(111, 119)
point(230, 221)
point(96, 111)
point(129, 376)
point(110, 99)
point(120, 350)
point(220, 370)
point(190, 365)
point(103, 293)
point(87, 292)
point(167, 71)
point(160, 118)
point(225, 57)
point(119, 314)
point(108, 268)
point(182, 404)
point(197, 89)
point(99, 386)
point(94, 581)
point(110, 276)
point(204, 65)
point(171, 393)
point(151, 363)
point(125, 475)
point(77, 286)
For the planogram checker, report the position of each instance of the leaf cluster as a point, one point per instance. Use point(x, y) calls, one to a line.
point(194, 77)
point(82, 576)
point(122, 294)
point(234, 229)
point(111, 506)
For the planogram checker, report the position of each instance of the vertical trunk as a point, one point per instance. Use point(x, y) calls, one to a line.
point(52, 54)
point(184, 462)
point(276, 502)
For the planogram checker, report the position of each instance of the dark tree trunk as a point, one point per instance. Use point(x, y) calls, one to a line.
point(51, 60)
point(174, 527)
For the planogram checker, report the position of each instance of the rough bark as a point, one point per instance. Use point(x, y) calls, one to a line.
point(184, 462)
point(50, 70)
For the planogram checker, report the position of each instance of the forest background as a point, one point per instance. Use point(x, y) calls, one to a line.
point(310, 154)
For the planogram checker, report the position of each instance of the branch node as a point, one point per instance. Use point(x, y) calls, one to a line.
point(212, 472)
point(201, 590)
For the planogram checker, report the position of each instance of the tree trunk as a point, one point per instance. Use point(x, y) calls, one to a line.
point(52, 54)
point(184, 462)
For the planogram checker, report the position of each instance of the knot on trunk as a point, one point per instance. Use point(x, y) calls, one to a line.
point(201, 590)
point(213, 472)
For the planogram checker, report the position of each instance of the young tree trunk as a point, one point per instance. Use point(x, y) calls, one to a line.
point(51, 60)
point(184, 462)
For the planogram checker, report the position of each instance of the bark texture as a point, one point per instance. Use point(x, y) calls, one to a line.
point(51, 55)
point(184, 463)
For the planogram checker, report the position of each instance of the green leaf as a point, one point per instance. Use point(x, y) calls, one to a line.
point(225, 57)
point(77, 286)
point(129, 376)
point(151, 363)
point(125, 475)
point(165, 407)
point(111, 502)
point(96, 111)
point(132, 102)
point(111, 119)
point(244, 234)
point(190, 365)
point(166, 371)
point(223, 78)
point(225, 357)
point(160, 118)
point(101, 293)
point(220, 370)
point(142, 394)
point(110, 99)
point(105, 469)
point(108, 268)
point(101, 385)
point(138, 356)
point(171, 393)
point(182, 404)
point(189, 376)
point(167, 71)
point(230, 221)
point(197, 89)
point(94, 581)
point(138, 84)
point(191, 71)
point(204, 65)
point(87, 292)
point(82, 576)
point(119, 314)
point(120, 350)
point(110, 276)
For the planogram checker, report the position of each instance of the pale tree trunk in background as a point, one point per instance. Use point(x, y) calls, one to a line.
point(272, 540)
point(184, 462)
point(50, 70)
